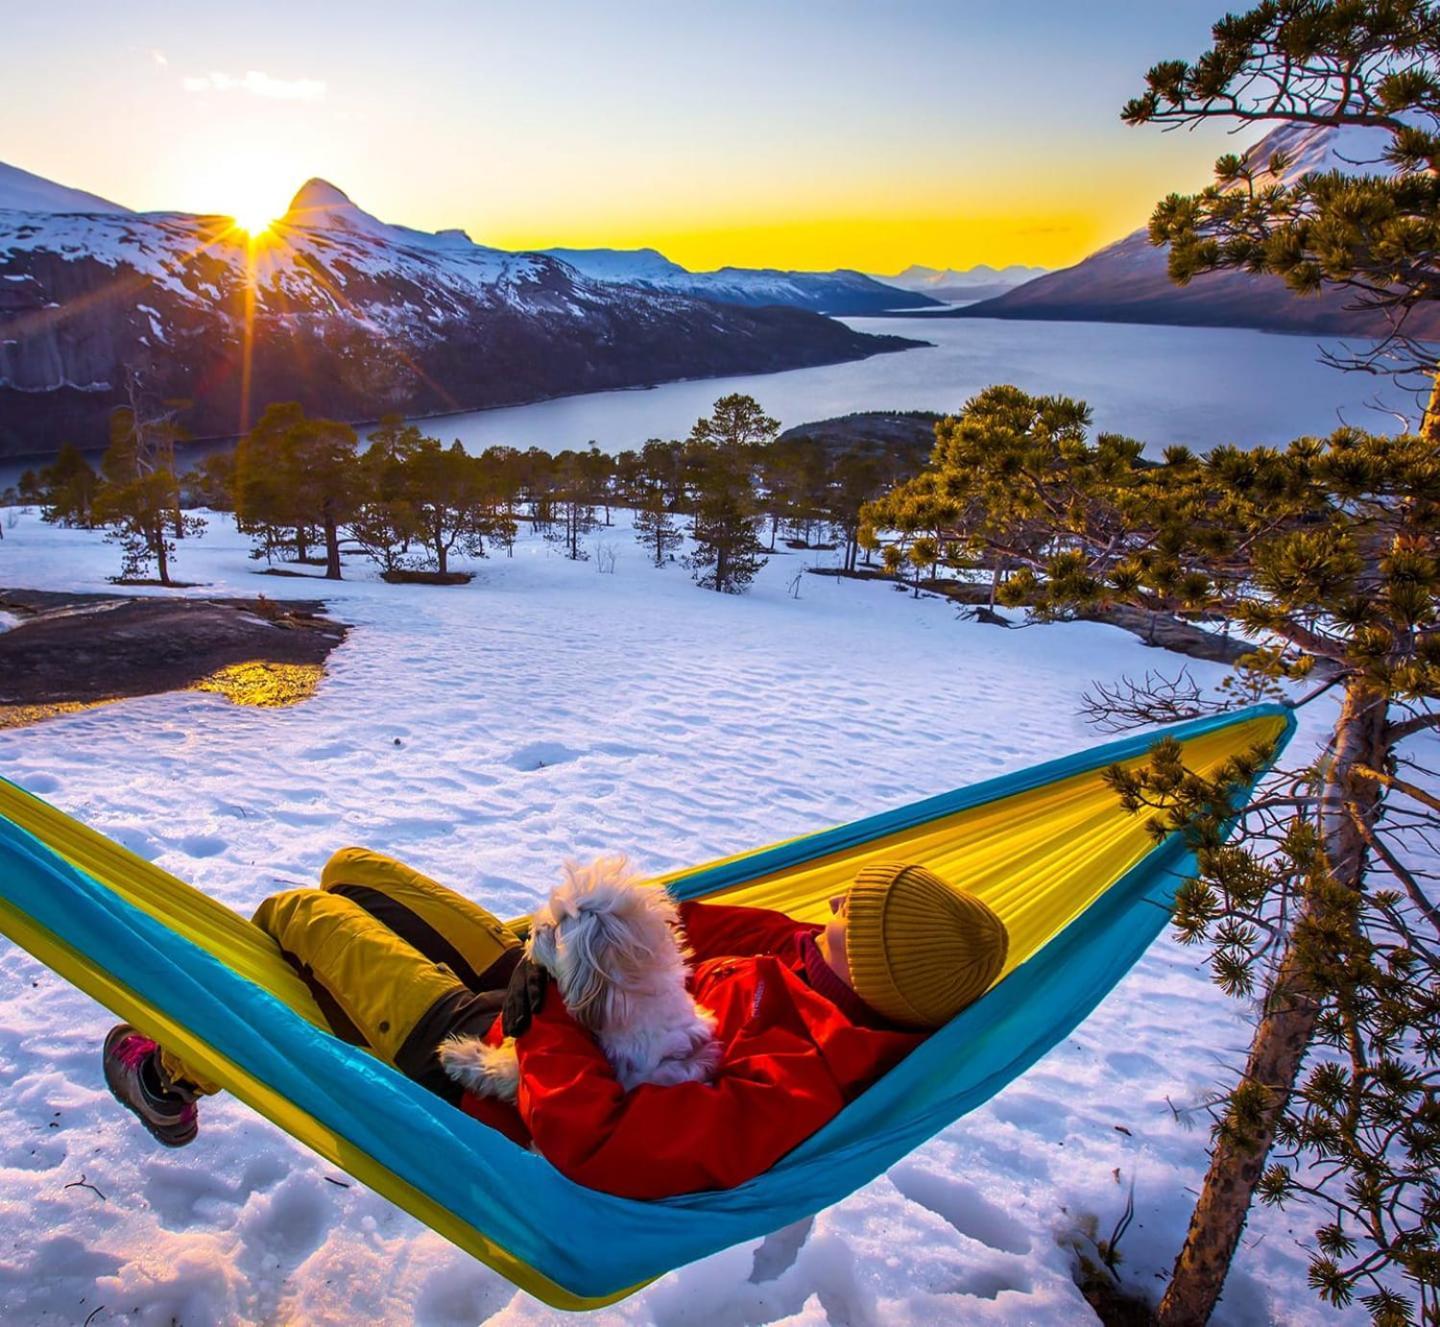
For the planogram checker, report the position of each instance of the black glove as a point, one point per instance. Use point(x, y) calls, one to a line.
point(524, 997)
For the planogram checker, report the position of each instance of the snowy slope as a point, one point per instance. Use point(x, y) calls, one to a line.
point(21, 191)
point(485, 733)
point(840, 293)
point(1128, 282)
point(625, 265)
point(349, 315)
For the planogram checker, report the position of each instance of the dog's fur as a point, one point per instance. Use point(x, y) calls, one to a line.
point(613, 947)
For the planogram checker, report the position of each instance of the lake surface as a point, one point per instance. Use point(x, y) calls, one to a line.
point(1195, 385)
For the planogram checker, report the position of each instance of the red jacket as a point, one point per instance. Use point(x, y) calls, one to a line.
point(792, 1060)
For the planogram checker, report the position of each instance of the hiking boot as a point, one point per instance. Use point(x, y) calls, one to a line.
point(132, 1073)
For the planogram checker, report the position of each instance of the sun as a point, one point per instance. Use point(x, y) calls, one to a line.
point(250, 183)
point(254, 220)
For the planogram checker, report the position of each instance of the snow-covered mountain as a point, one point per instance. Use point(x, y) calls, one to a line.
point(841, 293)
point(1128, 282)
point(954, 286)
point(623, 265)
point(20, 191)
point(343, 312)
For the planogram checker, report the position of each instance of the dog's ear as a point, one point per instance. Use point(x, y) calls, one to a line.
point(540, 945)
point(587, 968)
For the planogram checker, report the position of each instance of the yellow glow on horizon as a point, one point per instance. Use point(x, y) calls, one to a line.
point(882, 225)
point(1047, 239)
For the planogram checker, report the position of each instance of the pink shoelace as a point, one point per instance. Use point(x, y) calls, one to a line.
point(133, 1050)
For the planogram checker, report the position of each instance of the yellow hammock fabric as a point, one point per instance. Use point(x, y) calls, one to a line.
point(1080, 884)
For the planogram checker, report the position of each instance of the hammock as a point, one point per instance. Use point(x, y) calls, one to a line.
point(1080, 883)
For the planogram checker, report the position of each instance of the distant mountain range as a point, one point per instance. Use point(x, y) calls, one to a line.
point(339, 310)
point(1128, 282)
point(951, 286)
point(839, 293)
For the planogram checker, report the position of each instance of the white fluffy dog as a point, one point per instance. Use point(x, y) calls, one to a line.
point(613, 947)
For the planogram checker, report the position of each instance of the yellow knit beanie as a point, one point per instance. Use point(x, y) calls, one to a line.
point(920, 950)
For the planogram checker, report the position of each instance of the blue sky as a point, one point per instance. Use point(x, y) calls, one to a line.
point(797, 134)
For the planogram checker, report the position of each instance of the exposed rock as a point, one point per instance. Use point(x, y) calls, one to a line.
point(94, 647)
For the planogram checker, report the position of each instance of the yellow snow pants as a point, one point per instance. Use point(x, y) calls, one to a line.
point(396, 961)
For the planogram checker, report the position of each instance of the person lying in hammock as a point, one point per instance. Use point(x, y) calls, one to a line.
point(807, 1016)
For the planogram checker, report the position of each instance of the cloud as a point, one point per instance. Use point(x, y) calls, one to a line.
point(159, 58)
point(257, 84)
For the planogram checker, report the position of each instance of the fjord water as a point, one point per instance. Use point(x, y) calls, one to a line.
point(1196, 385)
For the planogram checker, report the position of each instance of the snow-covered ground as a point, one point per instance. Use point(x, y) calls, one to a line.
point(486, 732)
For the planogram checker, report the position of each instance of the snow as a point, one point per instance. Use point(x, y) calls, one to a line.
point(618, 264)
point(1351, 149)
point(24, 192)
point(733, 285)
point(922, 279)
point(324, 232)
point(486, 732)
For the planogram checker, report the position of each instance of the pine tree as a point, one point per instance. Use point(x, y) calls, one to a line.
point(210, 483)
point(1369, 232)
point(139, 501)
point(573, 500)
point(326, 476)
point(457, 499)
point(597, 470)
point(1329, 550)
point(855, 478)
point(299, 474)
point(663, 466)
point(503, 469)
point(656, 528)
point(793, 475)
point(536, 472)
point(651, 482)
point(66, 488)
point(721, 457)
point(266, 497)
point(385, 518)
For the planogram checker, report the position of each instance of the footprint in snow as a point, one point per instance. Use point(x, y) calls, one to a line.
point(963, 1206)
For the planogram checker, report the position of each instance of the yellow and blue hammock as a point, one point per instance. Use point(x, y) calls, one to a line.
point(1081, 885)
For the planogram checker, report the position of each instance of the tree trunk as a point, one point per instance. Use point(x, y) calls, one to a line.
point(1278, 1047)
point(332, 548)
point(442, 557)
point(1430, 426)
point(162, 563)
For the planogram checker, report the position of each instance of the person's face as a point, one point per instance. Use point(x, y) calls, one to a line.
point(832, 940)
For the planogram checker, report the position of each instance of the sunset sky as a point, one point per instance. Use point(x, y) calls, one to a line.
point(804, 135)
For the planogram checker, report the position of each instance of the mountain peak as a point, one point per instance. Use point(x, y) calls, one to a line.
point(26, 192)
point(317, 193)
